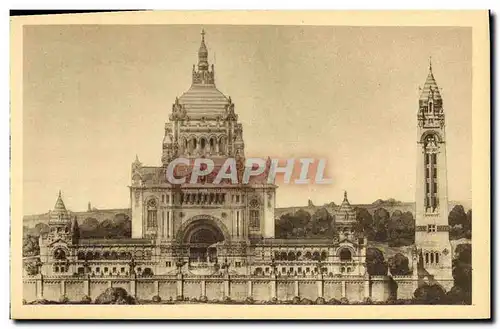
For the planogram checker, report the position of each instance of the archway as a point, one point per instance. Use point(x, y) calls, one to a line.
point(201, 235)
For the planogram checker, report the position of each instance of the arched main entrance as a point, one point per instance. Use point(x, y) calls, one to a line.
point(201, 234)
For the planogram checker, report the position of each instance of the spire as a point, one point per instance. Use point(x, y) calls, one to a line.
point(345, 197)
point(430, 89)
point(59, 212)
point(203, 54)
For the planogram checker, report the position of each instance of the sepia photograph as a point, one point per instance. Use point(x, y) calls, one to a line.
point(260, 164)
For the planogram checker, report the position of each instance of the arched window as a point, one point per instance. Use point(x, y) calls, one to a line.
point(152, 214)
point(316, 255)
point(308, 255)
point(291, 256)
point(258, 271)
point(283, 255)
point(323, 255)
point(212, 145)
point(432, 257)
point(59, 254)
point(222, 145)
point(254, 214)
point(436, 258)
point(345, 255)
point(203, 143)
point(427, 258)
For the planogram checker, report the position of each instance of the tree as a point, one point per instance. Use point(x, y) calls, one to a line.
point(41, 229)
point(30, 246)
point(398, 264)
point(460, 224)
point(365, 222)
point(89, 227)
point(75, 231)
point(461, 293)
point(320, 225)
point(430, 294)
point(381, 222)
point(293, 225)
point(457, 216)
point(375, 262)
point(401, 229)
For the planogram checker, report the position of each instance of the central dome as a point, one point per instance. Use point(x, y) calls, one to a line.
point(205, 100)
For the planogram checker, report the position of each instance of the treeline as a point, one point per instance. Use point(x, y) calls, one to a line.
point(119, 227)
point(460, 293)
point(396, 229)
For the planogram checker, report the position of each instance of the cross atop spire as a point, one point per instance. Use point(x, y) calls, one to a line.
point(203, 54)
point(430, 64)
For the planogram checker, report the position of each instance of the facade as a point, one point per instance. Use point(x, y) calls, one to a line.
point(219, 238)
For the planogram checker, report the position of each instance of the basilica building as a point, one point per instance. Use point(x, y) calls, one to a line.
point(206, 230)
point(200, 228)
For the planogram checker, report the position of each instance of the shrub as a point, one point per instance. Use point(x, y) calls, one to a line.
point(334, 301)
point(320, 301)
point(274, 300)
point(430, 294)
point(203, 299)
point(86, 300)
point(63, 299)
point(227, 299)
point(186, 299)
point(24, 301)
point(115, 296)
point(179, 298)
point(296, 300)
point(156, 299)
point(344, 301)
point(41, 302)
point(306, 301)
point(367, 301)
point(249, 300)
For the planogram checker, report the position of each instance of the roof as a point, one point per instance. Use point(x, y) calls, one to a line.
point(297, 242)
point(59, 213)
point(430, 88)
point(204, 99)
point(114, 241)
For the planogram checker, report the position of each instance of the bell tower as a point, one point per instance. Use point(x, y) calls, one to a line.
point(432, 230)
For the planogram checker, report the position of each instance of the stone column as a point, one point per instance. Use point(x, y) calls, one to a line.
point(39, 287)
point(296, 287)
point(249, 286)
point(171, 226)
point(367, 286)
point(86, 286)
point(203, 288)
point(273, 286)
point(320, 285)
point(227, 286)
point(63, 287)
point(133, 287)
point(343, 288)
point(180, 290)
point(157, 287)
point(110, 284)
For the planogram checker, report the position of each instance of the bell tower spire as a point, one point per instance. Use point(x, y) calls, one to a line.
point(203, 76)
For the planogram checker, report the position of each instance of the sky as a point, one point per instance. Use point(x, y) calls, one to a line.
point(96, 96)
